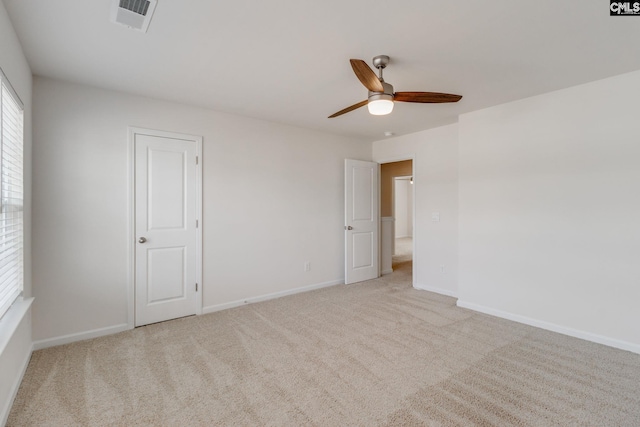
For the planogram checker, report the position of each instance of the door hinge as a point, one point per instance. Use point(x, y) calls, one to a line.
point(196, 287)
point(196, 223)
point(196, 160)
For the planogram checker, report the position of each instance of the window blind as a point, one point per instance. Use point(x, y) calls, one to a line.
point(11, 196)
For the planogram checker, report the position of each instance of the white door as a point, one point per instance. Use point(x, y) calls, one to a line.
point(166, 211)
point(361, 221)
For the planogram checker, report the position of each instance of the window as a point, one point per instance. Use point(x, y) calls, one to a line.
point(11, 195)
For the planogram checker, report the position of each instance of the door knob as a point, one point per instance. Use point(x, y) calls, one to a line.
point(142, 239)
point(349, 227)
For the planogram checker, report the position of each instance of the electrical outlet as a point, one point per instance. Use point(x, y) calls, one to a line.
point(307, 266)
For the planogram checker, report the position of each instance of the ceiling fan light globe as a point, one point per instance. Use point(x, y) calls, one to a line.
point(380, 107)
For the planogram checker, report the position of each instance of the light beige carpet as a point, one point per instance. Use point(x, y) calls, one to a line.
point(375, 353)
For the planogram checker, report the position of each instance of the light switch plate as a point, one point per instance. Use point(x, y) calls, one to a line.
point(435, 216)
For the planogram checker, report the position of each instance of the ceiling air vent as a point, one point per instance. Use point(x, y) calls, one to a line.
point(134, 14)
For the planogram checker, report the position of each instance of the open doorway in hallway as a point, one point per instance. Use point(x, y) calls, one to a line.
point(396, 217)
point(403, 220)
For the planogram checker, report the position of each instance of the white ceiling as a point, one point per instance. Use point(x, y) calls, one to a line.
point(287, 61)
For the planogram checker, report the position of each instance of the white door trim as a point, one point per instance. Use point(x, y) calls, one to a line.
point(415, 232)
point(132, 131)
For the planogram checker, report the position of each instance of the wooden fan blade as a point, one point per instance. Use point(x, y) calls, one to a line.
point(366, 75)
point(426, 97)
point(346, 110)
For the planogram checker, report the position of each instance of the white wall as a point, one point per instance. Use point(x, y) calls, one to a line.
point(273, 199)
point(550, 210)
point(403, 207)
point(15, 326)
point(435, 155)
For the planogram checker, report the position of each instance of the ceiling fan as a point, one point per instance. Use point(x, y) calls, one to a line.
point(381, 94)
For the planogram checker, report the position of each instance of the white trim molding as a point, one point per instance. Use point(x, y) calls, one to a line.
point(80, 336)
point(252, 300)
point(588, 336)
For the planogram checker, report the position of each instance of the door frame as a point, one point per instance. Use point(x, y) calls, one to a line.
point(414, 269)
point(132, 131)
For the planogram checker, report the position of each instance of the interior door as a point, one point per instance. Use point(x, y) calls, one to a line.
point(361, 221)
point(165, 227)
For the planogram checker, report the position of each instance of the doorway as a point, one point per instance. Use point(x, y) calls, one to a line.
point(397, 189)
point(403, 222)
point(166, 233)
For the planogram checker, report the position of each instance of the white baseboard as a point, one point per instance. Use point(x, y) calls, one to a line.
point(440, 291)
point(238, 303)
point(66, 339)
point(95, 333)
point(4, 415)
point(600, 339)
point(389, 271)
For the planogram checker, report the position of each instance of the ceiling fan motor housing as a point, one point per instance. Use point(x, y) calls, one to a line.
point(387, 94)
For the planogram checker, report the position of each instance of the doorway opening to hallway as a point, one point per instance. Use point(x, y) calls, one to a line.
point(396, 217)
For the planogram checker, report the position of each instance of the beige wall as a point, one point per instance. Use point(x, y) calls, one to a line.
point(549, 208)
point(388, 171)
point(273, 199)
